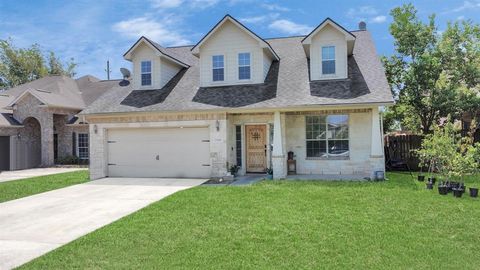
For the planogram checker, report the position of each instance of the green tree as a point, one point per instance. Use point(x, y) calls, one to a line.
point(22, 65)
point(431, 74)
point(460, 48)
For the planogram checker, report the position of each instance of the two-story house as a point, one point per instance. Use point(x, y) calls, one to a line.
point(235, 98)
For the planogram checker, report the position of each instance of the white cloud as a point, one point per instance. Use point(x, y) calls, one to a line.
point(467, 5)
point(379, 19)
point(170, 4)
point(166, 3)
point(274, 7)
point(361, 12)
point(203, 3)
point(259, 19)
point(289, 27)
point(156, 30)
point(460, 18)
point(253, 19)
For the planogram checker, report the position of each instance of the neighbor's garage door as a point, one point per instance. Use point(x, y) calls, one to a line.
point(4, 153)
point(169, 152)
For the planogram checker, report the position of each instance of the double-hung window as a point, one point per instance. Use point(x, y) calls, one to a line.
point(328, 60)
point(218, 68)
point(244, 66)
point(146, 71)
point(327, 136)
point(82, 145)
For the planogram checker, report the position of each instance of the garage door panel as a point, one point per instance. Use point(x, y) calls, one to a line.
point(171, 152)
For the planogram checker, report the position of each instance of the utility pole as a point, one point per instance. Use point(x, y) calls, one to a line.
point(108, 70)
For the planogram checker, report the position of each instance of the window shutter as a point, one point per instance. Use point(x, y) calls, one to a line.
point(74, 144)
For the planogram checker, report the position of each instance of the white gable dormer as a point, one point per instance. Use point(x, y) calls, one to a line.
point(328, 47)
point(232, 54)
point(152, 66)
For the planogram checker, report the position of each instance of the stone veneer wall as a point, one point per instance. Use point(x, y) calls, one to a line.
point(7, 131)
point(29, 106)
point(98, 139)
point(359, 161)
point(65, 134)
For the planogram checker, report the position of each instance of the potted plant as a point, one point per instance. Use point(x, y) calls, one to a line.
point(457, 192)
point(442, 188)
point(269, 173)
point(234, 169)
point(473, 192)
point(429, 184)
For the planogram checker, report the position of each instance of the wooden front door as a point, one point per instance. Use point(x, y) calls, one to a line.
point(256, 141)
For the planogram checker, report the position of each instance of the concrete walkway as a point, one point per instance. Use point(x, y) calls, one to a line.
point(22, 174)
point(35, 225)
point(247, 180)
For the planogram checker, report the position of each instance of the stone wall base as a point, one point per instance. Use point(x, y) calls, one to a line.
point(279, 167)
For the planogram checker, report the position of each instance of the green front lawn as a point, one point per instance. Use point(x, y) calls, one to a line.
point(25, 187)
point(395, 224)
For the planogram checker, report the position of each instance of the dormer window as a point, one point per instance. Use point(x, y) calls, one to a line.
point(328, 60)
point(218, 68)
point(244, 66)
point(146, 71)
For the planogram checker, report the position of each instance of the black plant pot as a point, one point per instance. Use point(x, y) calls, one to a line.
point(429, 185)
point(442, 190)
point(473, 192)
point(432, 179)
point(457, 192)
point(421, 178)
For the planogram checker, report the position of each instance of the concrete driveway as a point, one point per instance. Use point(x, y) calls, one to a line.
point(35, 225)
point(21, 174)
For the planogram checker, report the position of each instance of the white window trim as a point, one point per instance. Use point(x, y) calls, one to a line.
point(326, 140)
point(334, 59)
point(238, 67)
point(151, 73)
point(78, 146)
point(224, 69)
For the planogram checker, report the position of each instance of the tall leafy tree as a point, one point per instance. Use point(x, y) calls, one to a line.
point(432, 74)
point(22, 65)
point(460, 48)
point(415, 71)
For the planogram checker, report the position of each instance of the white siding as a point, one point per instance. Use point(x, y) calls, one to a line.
point(229, 41)
point(328, 36)
point(145, 53)
point(169, 70)
point(267, 62)
point(162, 69)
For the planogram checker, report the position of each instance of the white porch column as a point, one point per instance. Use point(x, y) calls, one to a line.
point(278, 153)
point(376, 155)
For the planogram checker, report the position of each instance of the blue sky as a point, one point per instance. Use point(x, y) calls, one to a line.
point(93, 32)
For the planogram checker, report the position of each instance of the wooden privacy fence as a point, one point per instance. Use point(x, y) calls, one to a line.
point(399, 148)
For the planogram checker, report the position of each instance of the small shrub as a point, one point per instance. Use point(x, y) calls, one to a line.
point(234, 169)
point(71, 160)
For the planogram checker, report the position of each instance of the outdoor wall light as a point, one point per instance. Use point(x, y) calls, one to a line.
point(95, 129)
point(217, 125)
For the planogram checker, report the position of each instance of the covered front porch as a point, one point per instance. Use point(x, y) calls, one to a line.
point(334, 144)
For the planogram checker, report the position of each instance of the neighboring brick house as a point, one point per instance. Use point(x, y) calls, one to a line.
point(237, 99)
point(38, 121)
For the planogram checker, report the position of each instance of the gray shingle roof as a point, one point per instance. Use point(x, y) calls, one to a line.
point(366, 84)
point(58, 91)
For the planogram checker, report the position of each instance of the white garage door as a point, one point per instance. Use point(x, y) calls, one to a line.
point(166, 152)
